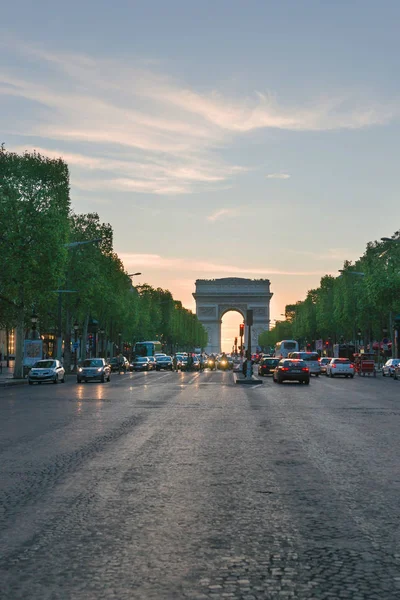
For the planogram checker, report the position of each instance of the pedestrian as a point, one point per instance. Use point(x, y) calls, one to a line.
point(174, 363)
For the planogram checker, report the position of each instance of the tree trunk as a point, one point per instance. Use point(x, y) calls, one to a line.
point(19, 346)
point(67, 342)
point(84, 337)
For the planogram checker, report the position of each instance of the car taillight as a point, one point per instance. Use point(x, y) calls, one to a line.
point(333, 366)
point(351, 366)
point(284, 368)
point(305, 369)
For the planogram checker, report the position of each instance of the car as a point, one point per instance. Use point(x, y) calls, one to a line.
point(46, 370)
point(323, 362)
point(291, 369)
point(141, 363)
point(340, 366)
point(181, 360)
point(397, 372)
point(91, 369)
point(236, 366)
point(267, 365)
point(115, 364)
point(390, 366)
point(164, 362)
point(153, 363)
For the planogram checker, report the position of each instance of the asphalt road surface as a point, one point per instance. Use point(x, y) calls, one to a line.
point(169, 486)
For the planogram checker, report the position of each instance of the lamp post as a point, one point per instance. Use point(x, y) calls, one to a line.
point(359, 339)
point(76, 327)
point(119, 343)
point(34, 320)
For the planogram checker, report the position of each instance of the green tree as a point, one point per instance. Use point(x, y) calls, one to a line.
point(34, 205)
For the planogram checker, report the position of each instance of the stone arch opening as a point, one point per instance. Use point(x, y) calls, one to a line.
point(230, 321)
point(216, 297)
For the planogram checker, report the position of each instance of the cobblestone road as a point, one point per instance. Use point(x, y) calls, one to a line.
point(163, 486)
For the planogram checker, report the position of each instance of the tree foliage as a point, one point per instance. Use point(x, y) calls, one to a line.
point(40, 256)
point(361, 302)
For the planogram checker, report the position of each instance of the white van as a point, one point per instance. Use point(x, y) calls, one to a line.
point(311, 359)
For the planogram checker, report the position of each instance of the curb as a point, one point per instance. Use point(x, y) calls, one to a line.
point(244, 381)
point(11, 382)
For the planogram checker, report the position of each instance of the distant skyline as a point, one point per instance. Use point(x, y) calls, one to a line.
point(219, 139)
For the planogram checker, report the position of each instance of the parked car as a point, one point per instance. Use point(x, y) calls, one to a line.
point(164, 362)
point(323, 362)
point(267, 366)
point(291, 370)
point(46, 370)
point(141, 363)
point(390, 366)
point(93, 368)
point(340, 366)
point(116, 366)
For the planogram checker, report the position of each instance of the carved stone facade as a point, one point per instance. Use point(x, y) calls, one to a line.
point(215, 297)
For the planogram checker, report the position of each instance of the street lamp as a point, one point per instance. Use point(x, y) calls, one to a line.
point(119, 343)
point(76, 327)
point(34, 320)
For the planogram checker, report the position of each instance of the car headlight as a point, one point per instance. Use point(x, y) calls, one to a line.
point(80, 369)
point(100, 369)
point(223, 362)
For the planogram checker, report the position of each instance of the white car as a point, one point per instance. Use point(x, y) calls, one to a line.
point(389, 366)
point(46, 370)
point(340, 366)
point(325, 360)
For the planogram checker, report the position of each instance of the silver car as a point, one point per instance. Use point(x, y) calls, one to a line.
point(46, 370)
point(390, 366)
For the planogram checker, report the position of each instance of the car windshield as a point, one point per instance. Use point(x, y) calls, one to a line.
point(142, 359)
point(92, 362)
point(161, 358)
point(45, 364)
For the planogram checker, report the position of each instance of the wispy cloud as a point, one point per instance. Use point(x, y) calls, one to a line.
point(222, 213)
point(147, 131)
point(162, 263)
point(278, 176)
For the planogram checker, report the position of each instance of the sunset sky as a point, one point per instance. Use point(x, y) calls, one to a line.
point(227, 138)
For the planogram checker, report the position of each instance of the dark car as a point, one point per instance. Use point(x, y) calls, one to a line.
point(141, 363)
point(116, 365)
point(291, 369)
point(93, 368)
point(164, 362)
point(267, 366)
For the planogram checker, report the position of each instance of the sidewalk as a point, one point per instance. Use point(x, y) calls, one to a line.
point(7, 376)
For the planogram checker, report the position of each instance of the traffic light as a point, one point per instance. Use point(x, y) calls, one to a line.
point(241, 329)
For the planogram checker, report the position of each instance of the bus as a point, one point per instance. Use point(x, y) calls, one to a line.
point(147, 348)
point(312, 360)
point(283, 348)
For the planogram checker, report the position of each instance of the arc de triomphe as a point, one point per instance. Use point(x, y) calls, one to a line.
point(215, 297)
